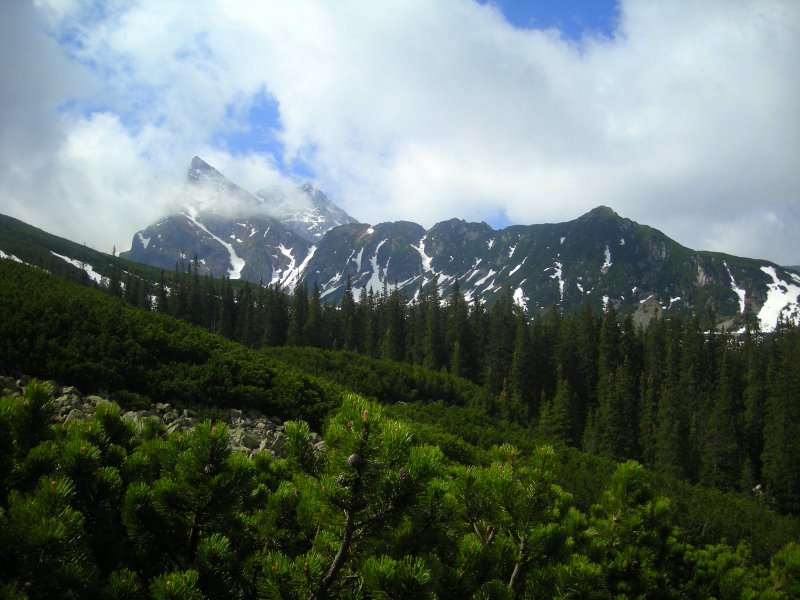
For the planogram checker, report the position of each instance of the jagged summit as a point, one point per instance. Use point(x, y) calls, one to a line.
point(200, 169)
point(265, 237)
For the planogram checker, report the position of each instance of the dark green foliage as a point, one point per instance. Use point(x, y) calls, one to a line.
point(123, 513)
point(54, 330)
point(376, 510)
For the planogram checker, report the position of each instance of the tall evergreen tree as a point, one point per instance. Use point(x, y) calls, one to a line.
point(314, 328)
point(558, 417)
point(781, 454)
point(298, 313)
point(433, 341)
point(347, 317)
point(672, 452)
point(722, 455)
point(522, 375)
point(394, 339)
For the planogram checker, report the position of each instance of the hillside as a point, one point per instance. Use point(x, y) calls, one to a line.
point(140, 509)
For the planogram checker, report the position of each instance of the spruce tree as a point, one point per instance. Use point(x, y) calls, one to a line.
point(781, 454)
point(558, 418)
point(298, 313)
point(722, 456)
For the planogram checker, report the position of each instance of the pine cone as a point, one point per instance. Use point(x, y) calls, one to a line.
point(355, 461)
point(210, 469)
point(404, 474)
point(342, 480)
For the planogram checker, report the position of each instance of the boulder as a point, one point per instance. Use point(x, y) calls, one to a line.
point(75, 415)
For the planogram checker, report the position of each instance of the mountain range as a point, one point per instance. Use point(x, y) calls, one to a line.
point(285, 237)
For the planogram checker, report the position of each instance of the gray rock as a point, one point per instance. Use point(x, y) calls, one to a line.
point(71, 390)
point(163, 407)
point(9, 387)
point(250, 441)
point(181, 424)
point(278, 443)
point(75, 415)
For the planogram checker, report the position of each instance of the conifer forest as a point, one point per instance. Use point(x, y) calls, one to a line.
point(468, 451)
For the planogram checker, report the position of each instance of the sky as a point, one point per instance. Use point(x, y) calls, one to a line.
point(682, 115)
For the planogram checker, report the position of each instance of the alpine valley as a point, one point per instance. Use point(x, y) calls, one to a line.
point(288, 237)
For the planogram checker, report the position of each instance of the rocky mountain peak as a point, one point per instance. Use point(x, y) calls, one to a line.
point(600, 212)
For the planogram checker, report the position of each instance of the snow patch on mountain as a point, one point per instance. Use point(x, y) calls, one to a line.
point(739, 291)
point(511, 250)
point(11, 257)
point(520, 299)
point(517, 268)
point(558, 269)
point(482, 280)
point(426, 260)
point(237, 263)
point(93, 275)
point(145, 241)
point(375, 282)
point(490, 243)
point(607, 262)
point(783, 300)
point(292, 274)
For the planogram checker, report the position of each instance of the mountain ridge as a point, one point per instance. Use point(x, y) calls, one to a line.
point(598, 258)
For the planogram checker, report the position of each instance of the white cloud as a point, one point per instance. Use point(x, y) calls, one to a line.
point(687, 119)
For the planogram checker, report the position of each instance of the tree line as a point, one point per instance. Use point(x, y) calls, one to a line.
point(677, 395)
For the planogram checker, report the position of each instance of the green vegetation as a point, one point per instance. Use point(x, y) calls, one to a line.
point(55, 330)
point(430, 484)
point(100, 509)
